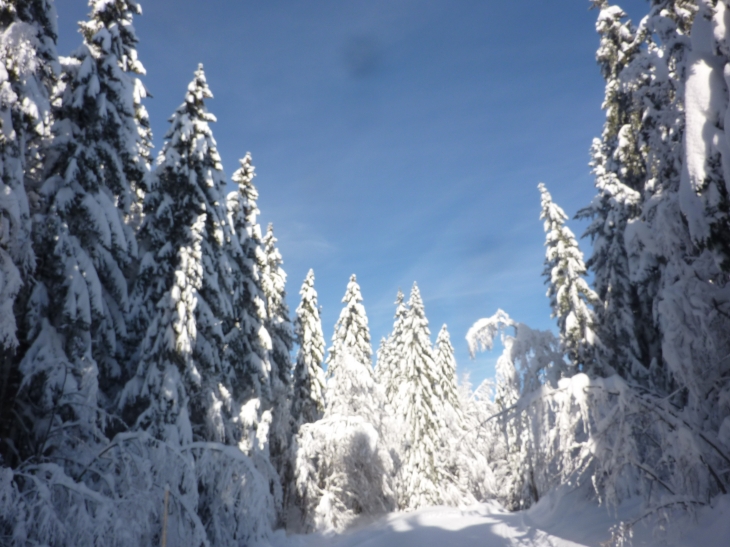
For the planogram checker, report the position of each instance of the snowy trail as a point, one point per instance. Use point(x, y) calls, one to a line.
point(566, 521)
point(485, 525)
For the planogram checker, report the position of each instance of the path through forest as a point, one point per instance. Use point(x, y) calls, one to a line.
point(567, 521)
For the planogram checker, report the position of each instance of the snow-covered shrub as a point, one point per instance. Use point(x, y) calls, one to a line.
point(342, 470)
point(216, 497)
point(234, 501)
point(344, 462)
point(41, 504)
point(476, 445)
point(620, 437)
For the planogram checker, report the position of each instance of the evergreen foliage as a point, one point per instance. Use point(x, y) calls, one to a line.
point(446, 370)
point(279, 327)
point(249, 343)
point(145, 339)
point(390, 353)
point(27, 75)
point(181, 295)
point(569, 293)
point(309, 384)
point(351, 330)
point(278, 323)
point(419, 405)
point(618, 169)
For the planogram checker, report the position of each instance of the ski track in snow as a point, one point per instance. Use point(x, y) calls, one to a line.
point(569, 521)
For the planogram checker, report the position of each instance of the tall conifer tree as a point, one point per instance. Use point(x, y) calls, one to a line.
point(279, 328)
point(309, 387)
point(446, 369)
point(77, 307)
point(250, 343)
point(418, 405)
point(619, 169)
point(27, 74)
point(181, 293)
point(570, 296)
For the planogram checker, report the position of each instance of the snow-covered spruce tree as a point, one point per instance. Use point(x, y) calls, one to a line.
point(619, 171)
point(278, 323)
point(309, 382)
point(101, 83)
point(279, 327)
point(418, 404)
point(110, 34)
point(351, 330)
point(344, 462)
point(27, 74)
point(570, 295)
point(687, 217)
point(454, 458)
point(249, 343)
point(446, 369)
point(676, 82)
point(184, 392)
point(182, 388)
point(76, 307)
point(388, 370)
point(654, 80)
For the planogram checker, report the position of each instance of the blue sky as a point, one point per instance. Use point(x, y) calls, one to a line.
point(398, 140)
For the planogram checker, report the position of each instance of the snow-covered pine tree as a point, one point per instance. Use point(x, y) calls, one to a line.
point(388, 369)
point(278, 323)
point(351, 330)
point(182, 386)
point(111, 36)
point(418, 405)
point(454, 458)
point(104, 72)
point(689, 218)
point(27, 74)
point(77, 305)
point(655, 77)
point(446, 369)
point(309, 383)
point(344, 462)
point(250, 344)
point(279, 327)
point(619, 171)
point(570, 295)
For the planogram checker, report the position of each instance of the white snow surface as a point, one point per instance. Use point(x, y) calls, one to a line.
point(568, 520)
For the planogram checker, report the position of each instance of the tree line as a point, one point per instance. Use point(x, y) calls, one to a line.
point(148, 354)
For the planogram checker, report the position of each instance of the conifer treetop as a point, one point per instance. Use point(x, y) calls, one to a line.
point(309, 384)
point(446, 370)
point(390, 352)
point(110, 26)
point(351, 330)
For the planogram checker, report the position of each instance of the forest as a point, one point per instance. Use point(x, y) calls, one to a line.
point(155, 387)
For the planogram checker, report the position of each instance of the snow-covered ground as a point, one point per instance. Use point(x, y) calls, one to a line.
point(567, 521)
